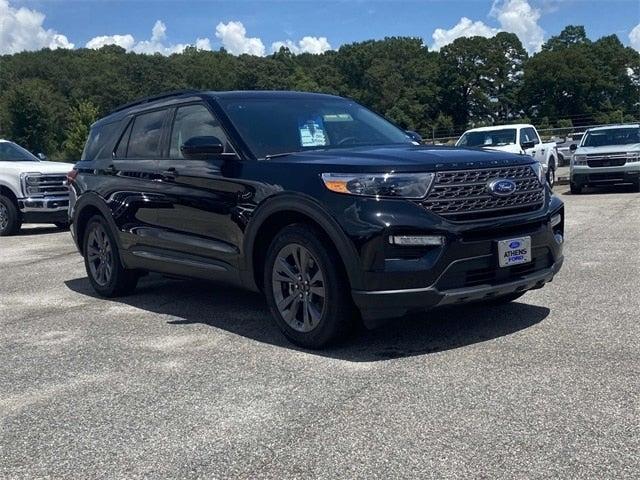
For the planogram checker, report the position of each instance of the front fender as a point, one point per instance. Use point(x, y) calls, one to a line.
point(311, 208)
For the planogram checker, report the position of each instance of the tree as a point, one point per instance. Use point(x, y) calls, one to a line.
point(34, 114)
point(79, 121)
point(570, 35)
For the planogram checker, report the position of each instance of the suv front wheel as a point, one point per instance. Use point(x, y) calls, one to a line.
point(306, 288)
point(106, 273)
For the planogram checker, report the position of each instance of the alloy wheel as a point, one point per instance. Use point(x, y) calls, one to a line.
point(299, 287)
point(100, 255)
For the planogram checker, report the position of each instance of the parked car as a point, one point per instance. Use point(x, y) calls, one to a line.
point(606, 156)
point(31, 190)
point(312, 199)
point(518, 138)
point(563, 146)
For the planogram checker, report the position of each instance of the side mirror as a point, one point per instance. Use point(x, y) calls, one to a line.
point(527, 145)
point(201, 148)
point(573, 147)
point(42, 157)
point(415, 136)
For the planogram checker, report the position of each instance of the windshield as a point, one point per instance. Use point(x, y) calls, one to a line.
point(488, 138)
point(10, 152)
point(612, 136)
point(271, 126)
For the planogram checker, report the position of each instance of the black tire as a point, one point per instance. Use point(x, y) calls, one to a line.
point(636, 186)
point(10, 221)
point(100, 248)
point(551, 173)
point(504, 299)
point(300, 319)
point(62, 225)
point(575, 188)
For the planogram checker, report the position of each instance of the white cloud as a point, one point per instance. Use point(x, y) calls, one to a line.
point(234, 39)
point(464, 28)
point(519, 17)
point(634, 37)
point(125, 41)
point(156, 44)
point(21, 29)
point(515, 16)
point(306, 45)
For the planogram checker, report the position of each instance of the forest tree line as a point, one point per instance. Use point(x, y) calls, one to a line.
point(49, 98)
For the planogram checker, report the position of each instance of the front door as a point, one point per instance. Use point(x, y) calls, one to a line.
point(200, 220)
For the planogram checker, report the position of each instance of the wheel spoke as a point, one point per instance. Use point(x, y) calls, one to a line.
point(317, 278)
point(285, 268)
point(286, 301)
point(291, 314)
point(319, 291)
point(315, 314)
point(92, 253)
point(305, 310)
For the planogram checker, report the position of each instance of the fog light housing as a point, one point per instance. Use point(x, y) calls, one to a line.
point(417, 240)
point(559, 238)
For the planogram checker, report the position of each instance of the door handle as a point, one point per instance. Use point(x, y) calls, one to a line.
point(169, 174)
point(111, 170)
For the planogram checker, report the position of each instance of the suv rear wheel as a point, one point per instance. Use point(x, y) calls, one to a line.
point(575, 188)
point(106, 273)
point(9, 217)
point(306, 288)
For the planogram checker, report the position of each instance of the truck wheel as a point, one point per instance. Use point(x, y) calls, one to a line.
point(306, 289)
point(108, 277)
point(10, 221)
point(551, 177)
point(575, 188)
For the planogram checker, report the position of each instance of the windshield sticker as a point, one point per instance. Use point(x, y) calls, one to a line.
point(338, 117)
point(312, 133)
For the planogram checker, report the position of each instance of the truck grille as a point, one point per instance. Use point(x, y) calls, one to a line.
point(463, 194)
point(46, 185)
point(609, 160)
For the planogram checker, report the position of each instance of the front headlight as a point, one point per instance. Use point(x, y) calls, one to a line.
point(579, 160)
point(633, 157)
point(390, 185)
point(539, 169)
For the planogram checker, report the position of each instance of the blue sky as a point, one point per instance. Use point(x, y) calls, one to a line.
point(269, 21)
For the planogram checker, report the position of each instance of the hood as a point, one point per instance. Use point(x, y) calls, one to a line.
point(632, 147)
point(36, 167)
point(404, 158)
point(512, 148)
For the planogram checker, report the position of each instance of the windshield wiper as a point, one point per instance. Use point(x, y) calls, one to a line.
point(276, 155)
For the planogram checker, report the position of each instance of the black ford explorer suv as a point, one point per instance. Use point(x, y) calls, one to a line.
point(321, 204)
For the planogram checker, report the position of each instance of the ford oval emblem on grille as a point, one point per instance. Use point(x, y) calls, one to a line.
point(514, 244)
point(502, 187)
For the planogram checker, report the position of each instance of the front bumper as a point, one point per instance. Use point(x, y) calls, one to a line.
point(464, 269)
point(44, 209)
point(584, 175)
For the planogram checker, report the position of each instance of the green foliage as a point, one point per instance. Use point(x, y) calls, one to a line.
point(79, 121)
point(48, 98)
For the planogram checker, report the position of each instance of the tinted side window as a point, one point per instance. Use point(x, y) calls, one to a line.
point(100, 142)
point(146, 135)
point(121, 149)
point(194, 121)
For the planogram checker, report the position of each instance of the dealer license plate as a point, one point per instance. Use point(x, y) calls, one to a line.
point(514, 251)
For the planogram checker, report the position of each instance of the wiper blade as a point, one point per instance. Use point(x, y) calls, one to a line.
point(276, 155)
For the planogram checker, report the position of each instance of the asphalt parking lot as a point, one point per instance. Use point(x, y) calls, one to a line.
point(186, 379)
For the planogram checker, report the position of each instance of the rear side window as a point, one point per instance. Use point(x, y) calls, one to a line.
point(146, 135)
point(121, 150)
point(100, 142)
point(529, 135)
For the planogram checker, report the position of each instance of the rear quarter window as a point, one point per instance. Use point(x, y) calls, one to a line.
point(100, 142)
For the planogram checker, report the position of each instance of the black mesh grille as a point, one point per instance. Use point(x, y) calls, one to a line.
point(464, 195)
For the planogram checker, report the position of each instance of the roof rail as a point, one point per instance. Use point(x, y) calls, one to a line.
point(153, 98)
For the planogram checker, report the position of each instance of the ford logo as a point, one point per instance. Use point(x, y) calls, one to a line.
point(502, 187)
point(514, 244)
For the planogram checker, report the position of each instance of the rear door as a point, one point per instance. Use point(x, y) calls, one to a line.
point(203, 218)
point(132, 190)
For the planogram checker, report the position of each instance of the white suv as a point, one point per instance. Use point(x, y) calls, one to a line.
point(31, 190)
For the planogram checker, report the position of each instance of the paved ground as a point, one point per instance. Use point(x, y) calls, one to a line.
point(188, 380)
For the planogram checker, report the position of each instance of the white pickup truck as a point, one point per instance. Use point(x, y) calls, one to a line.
point(31, 190)
point(518, 138)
